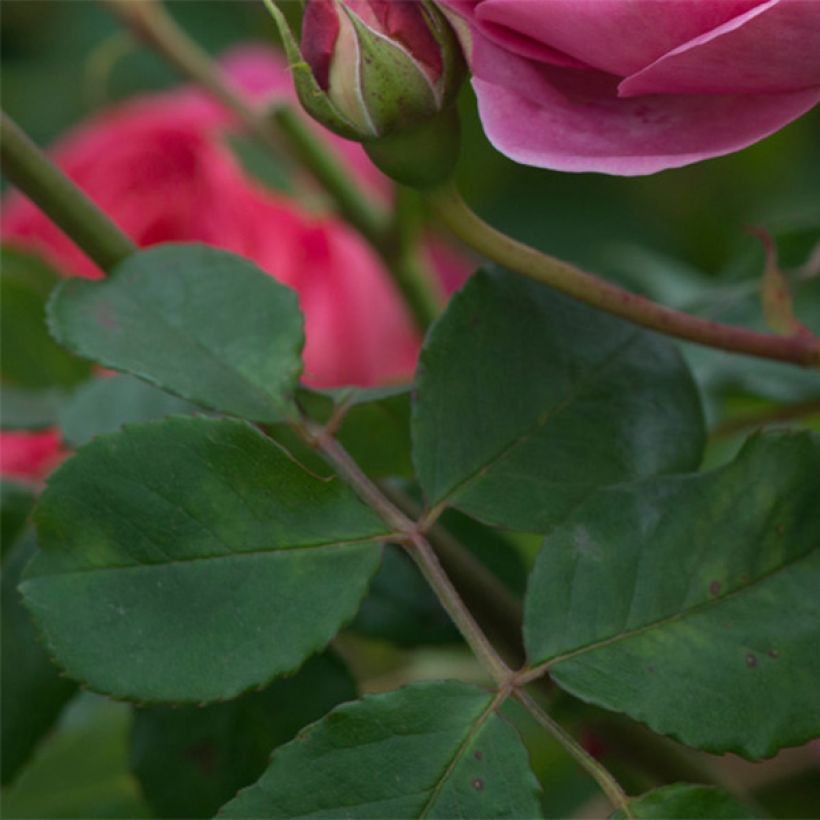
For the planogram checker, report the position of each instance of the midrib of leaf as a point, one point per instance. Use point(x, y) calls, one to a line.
point(273, 551)
point(545, 666)
point(539, 424)
point(460, 751)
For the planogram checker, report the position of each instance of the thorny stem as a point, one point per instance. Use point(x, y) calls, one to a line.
point(605, 780)
point(801, 349)
point(28, 168)
point(425, 557)
point(498, 610)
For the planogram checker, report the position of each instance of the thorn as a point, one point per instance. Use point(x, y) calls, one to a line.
point(776, 296)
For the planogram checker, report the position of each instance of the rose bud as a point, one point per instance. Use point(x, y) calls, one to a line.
point(384, 73)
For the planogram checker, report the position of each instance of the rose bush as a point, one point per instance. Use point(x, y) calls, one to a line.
point(160, 167)
point(635, 86)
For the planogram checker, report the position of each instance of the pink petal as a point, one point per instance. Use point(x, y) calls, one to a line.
point(774, 48)
point(29, 455)
point(617, 36)
point(574, 120)
point(634, 136)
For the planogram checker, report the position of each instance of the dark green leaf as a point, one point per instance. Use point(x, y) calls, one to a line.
point(191, 760)
point(190, 559)
point(30, 357)
point(682, 801)
point(16, 502)
point(203, 323)
point(105, 405)
point(529, 401)
point(434, 749)
point(32, 693)
point(492, 548)
point(386, 410)
point(690, 602)
point(401, 607)
point(80, 771)
point(793, 795)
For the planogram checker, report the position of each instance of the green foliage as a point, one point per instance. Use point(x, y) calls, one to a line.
point(26, 409)
point(385, 409)
point(687, 601)
point(16, 502)
point(209, 561)
point(528, 402)
point(400, 606)
point(683, 801)
point(33, 693)
point(81, 771)
point(104, 405)
point(203, 323)
point(193, 559)
point(30, 357)
point(436, 749)
point(191, 760)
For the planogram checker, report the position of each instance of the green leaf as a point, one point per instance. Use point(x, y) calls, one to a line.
point(190, 559)
point(29, 409)
point(191, 760)
point(105, 405)
point(683, 801)
point(16, 502)
point(401, 607)
point(529, 401)
point(385, 409)
point(688, 601)
point(491, 547)
point(30, 357)
point(793, 795)
point(32, 693)
point(205, 324)
point(80, 771)
point(436, 749)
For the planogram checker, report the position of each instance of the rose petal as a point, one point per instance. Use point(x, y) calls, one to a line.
point(617, 36)
point(773, 48)
point(573, 120)
point(633, 136)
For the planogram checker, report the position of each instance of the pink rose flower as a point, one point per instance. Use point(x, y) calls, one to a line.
point(29, 455)
point(635, 86)
point(159, 166)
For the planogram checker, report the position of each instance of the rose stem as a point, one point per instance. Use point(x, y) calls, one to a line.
point(801, 349)
point(27, 167)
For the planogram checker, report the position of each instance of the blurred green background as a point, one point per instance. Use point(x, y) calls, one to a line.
point(679, 236)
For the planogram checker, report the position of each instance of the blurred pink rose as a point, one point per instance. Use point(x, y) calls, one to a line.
point(29, 455)
point(159, 167)
point(635, 86)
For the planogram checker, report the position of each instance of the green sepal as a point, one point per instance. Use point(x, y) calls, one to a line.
point(423, 157)
point(395, 90)
point(313, 99)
